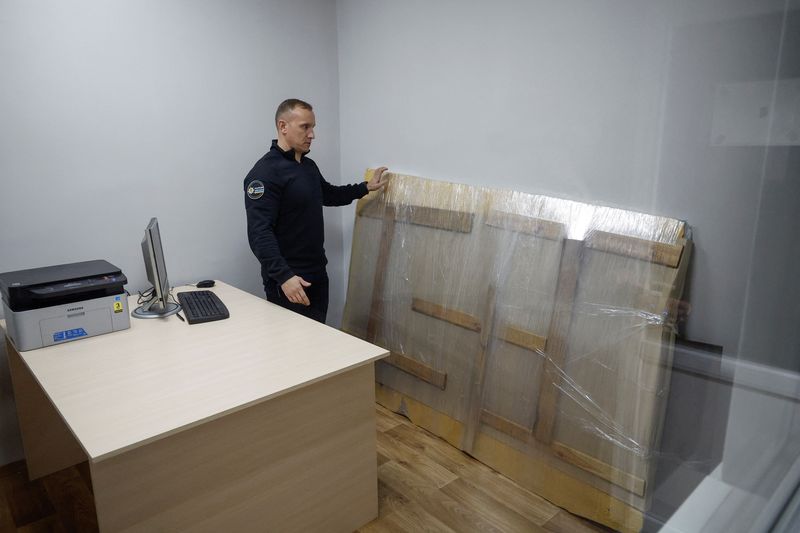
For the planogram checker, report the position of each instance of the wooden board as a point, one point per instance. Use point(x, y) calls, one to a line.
point(655, 252)
point(417, 369)
point(546, 229)
point(422, 216)
point(558, 339)
point(523, 338)
point(453, 316)
point(475, 399)
point(505, 425)
point(604, 470)
point(381, 265)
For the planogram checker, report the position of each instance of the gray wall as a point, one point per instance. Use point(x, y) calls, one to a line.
point(597, 101)
point(114, 112)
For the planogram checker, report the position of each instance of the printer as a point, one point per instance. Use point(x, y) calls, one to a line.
point(61, 303)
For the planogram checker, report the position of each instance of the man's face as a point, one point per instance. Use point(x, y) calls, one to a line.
point(297, 128)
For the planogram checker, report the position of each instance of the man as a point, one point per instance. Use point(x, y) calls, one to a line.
point(284, 195)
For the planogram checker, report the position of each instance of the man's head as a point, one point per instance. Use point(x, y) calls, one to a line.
point(295, 123)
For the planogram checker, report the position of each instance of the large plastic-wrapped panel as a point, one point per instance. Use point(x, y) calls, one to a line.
point(533, 332)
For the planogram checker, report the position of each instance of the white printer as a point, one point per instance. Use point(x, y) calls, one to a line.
point(61, 303)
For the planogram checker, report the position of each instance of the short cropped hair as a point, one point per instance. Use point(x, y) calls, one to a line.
point(288, 105)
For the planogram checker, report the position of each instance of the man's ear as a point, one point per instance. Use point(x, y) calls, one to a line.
point(281, 125)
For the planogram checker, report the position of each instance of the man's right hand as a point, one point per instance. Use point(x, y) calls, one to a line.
point(293, 289)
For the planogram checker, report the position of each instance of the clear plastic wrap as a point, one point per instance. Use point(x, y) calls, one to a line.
point(544, 323)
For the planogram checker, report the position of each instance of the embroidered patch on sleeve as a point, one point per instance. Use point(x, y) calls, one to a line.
point(255, 190)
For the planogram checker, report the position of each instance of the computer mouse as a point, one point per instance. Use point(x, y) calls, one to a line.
point(205, 283)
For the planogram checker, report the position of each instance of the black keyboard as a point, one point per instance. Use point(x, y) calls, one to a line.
point(202, 306)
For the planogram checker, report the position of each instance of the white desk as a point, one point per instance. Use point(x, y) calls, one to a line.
point(262, 422)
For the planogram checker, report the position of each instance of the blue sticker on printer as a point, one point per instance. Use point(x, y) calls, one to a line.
point(255, 190)
point(68, 334)
point(117, 298)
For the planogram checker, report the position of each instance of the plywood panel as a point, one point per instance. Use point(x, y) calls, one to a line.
point(615, 366)
point(526, 269)
point(578, 349)
point(433, 313)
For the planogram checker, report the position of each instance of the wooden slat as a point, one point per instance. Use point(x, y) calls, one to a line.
point(458, 318)
point(599, 468)
point(436, 218)
point(417, 369)
point(557, 339)
point(381, 264)
point(523, 338)
point(539, 227)
point(431, 217)
point(506, 426)
point(655, 252)
point(676, 291)
point(475, 399)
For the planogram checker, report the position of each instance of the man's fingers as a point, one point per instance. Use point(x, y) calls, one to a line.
point(293, 289)
point(303, 298)
point(379, 173)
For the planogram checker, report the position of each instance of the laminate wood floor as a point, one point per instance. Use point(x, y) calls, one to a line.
point(424, 484)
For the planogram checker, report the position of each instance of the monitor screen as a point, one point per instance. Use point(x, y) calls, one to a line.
point(154, 263)
point(156, 269)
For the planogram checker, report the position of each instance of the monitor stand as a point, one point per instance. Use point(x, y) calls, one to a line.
point(155, 308)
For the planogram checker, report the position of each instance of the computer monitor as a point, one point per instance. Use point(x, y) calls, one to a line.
point(159, 305)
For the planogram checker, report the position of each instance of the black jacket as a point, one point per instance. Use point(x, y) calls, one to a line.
point(283, 200)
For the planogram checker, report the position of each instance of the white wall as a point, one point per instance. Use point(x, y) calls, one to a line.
point(579, 99)
point(114, 112)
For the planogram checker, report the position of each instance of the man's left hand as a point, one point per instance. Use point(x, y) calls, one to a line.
point(379, 179)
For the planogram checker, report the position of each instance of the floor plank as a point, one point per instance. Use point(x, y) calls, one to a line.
point(533, 507)
point(29, 503)
point(421, 491)
point(386, 420)
point(72, 499)
point(418, 463)
point(497, 514)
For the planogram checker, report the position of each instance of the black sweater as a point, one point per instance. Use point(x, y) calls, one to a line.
point(283, 200)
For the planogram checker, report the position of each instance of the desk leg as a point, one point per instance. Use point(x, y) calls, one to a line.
point(305, 461)
point(48, 443)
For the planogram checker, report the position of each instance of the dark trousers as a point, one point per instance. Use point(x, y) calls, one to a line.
point(317, 294)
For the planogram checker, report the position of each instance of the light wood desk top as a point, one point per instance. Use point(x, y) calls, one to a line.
point(121, 390)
